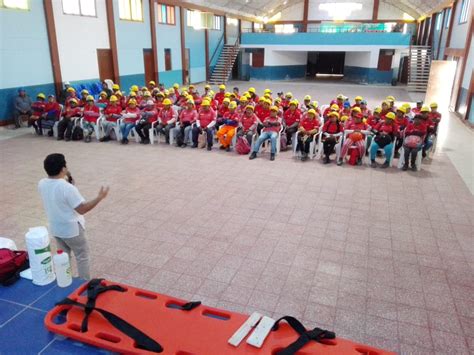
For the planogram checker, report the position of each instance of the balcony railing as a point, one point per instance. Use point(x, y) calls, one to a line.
point(332, 28)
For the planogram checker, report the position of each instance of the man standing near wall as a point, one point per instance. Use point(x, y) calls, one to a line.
point(22, 107)
point(65, 208)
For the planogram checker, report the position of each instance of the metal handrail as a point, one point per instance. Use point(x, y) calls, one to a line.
point(217, 47)
point(228, 61)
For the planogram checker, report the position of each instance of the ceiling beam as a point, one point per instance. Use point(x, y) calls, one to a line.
point(305, 15)
point(375, 10)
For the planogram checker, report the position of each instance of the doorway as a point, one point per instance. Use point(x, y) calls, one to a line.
point(325, 65)
point(148, 64)
point(186, 68)
point(106, 64)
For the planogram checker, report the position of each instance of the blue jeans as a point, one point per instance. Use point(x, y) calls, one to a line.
point(125, 129)
point(263, 137)
point(387, 149)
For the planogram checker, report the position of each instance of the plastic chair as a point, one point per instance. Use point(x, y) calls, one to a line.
point(133, 131)
point(338, 146)
point(267, 144)
point(312, 146)
point(365, 133)
point(392, 154)
point(97, 126)
point(419, 157)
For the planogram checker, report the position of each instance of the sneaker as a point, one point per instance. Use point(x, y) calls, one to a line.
point(126, 141)
point(184, 145)
point(103, 139)
point(359, 161)
point(304, 158)
point(222, 147)
point(326, 160)
point(385, 165)
point(88, 139)
point(50, 133)
point(227, 149)
point(396, 155)
point(373, 164)
point(339, 162)
point(405, 167)
point(272, 156)
point(146, 141)
point(122, 141)
point(413, 167)
point(194, 146)
point(209, 147)
point(252, 156)
point(60, 138)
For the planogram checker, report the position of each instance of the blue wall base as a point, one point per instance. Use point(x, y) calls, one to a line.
point(367, 75)
point(168, 78)
point(280, 72)
point(126, 81)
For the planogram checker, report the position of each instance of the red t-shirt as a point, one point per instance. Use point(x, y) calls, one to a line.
point(38, 107)
point(291, 117)
point(391, 129)
point(52, 108)
point(419, 130)
point(373, 121)
point(333, 127)
point(167, 115)
point(223, 109)
point(72, 112)
point(188, 116)
point(151, 114)
point(248, 121)
point(91, 113)
point(111, 111)
point(356, 126)
point(232, 118)
point(135, 111)
point(275, 128)
point(309, 124)
point(206, 117)
point(263, 114)
point(401, 122)
point(219, 97)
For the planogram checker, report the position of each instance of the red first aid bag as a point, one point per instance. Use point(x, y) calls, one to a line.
point(11, 264)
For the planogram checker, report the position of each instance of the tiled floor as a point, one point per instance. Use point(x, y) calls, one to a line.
point(382, 257)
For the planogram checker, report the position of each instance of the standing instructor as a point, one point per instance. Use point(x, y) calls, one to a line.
point(65, 208)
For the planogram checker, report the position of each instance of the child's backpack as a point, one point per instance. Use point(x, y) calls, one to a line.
point(77, 133)
point(353, 156)
point(284, 142)
point(12, 262)
point(242, 146)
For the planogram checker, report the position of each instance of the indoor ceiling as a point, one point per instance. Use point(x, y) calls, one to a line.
point(254, 8)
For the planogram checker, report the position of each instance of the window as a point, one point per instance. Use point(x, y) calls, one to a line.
point(131, 10)
point(166, 14)
point(439, 17)
point(15, 4)
point(168, 66)
point(79, 7)
point(448, 17)
point(217, 23)
point(464, 11)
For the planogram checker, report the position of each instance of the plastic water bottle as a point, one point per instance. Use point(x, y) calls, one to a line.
point(62, 267)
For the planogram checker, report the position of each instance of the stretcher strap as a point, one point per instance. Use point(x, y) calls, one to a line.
point(317, 334)
point(142, 340)
point(189, 306)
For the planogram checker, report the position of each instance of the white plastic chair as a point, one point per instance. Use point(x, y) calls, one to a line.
point(365, 133)
point(133, 131)
point(338, 146)
point(267, 144)
point(55, 126)
point(312, 146)
point(401, 161)
point(97, 126)
point(392, 154)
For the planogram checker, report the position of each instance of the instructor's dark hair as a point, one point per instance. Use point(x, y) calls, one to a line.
point(54, 163)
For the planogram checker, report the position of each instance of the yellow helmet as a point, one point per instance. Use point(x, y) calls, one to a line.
point(226, 100)
point(134, 88)
point(377, 110)
point(190, 101)
point(133, 94)
point(113, 98)
point(191, 87)
point(312, 111)
point(315, 104)
point(249, 107)
point(274, 108)
point(71, 89)
point(294, 102)
point(160, 94)
point(207, 86)
point(386, 103)
point(189, 97)
point(166, 102)
point(307, 98)
point(425, 109)
point(340, 97)
point(146, 94)
point(132, 102)
point(277, 100)
point(73, 101)
point(267, 91)
point(116, 87)
point(233, 105)
point(151, 82)
point(175, 86)
point(267, 101)
point(205, 103)
point(401, 109)
point(356, 109)
point(103, 93)
point(222, 87)
point(358, 98)
point(335, 107)
point(227, 95)
point(244, 99)
point(390, 98)
point(166, 92)
point(333, 113)
point(267, 96)
point(251, 90)
point(90, 98)
point(84, 92)
point(289, 95)
point(406, 106)
point(390, 115)
point(41, 96)
point(433, 105)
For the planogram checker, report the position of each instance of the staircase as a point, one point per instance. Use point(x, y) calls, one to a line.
point(224, 64)
point(419, 63)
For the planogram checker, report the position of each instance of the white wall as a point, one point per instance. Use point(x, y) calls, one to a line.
point(459, 32)
point(293, 12)
point(79, 37)
point(315, 13)
point(469, 68)
point(389, 12)
point(357, 59)
point(273, 58)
